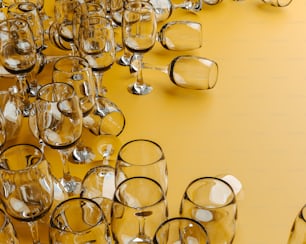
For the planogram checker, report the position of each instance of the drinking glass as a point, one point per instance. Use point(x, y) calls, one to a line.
point(26, 185)
point(59, 124)
point(212, 202)
point(142, 157)
point(189, 72)
point(139, 35)
point(18, 54)
point(8, 233)
point(3, 136)
point(99, 185)
point(298, 230)
point(78, 220)
point(29, 12)
point(139, 206)
point(278, 3)
point(180, 230)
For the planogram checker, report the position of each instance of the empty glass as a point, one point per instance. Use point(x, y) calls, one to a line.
point(139, 206)
point(180, 230)
point(142, 157)
point(78, 220)
point(8, 233)
point(189, 72)
point(26, 185)
point(212, 202)
point(298, 230)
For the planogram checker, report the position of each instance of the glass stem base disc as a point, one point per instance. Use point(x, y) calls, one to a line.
point(138, 89)
point(72, 186)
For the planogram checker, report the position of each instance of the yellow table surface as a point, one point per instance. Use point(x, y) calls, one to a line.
point(251, 125)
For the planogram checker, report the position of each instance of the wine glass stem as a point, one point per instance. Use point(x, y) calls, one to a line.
point(66, 168)
point(100, 89)
point(34, 232)
point(138, 63)
point(23, 91)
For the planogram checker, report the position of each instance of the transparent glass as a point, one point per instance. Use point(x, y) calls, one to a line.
point(18, 55)
point(139, 30)
point(180, 230)
point(212, 202)
point(189, 72)
point(278, 3)
point(8, 233)
point(78, 220)
point(59, 124)
point(26, 185)
point(139, 206)
point(298, 230)
point(142, 157)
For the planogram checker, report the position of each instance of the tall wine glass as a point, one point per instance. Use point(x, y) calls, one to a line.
point(139, 206)
point(18, 54)
point(139, 36)
point(29, 12)
point(26, 185)
point(59, 123)
point(142, 157)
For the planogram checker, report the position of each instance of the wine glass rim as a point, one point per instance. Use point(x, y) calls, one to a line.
point(40, 155)
point(121, 158)
point(69, 200)
point(118, 200)
point(227, 203)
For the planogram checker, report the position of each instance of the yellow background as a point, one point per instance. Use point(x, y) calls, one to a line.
point(251, 125)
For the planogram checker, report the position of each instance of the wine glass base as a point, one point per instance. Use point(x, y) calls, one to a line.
point(140, 89)
point(124, 60)
point(82, 155)
point(73, 186)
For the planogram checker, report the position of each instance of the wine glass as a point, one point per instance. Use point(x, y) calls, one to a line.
point(298, 229)
point(78, 220)
point(212, 202)
point(59, 124)
point(8, 233)
point(139, 206)
point(18, 54)
point(278, 3)
point(180, 230)
point(139, 34)
point(29, 12)
point(99, 185)
point(142, 157)
point(189, 72)
point(3, 136)
point(26, 185)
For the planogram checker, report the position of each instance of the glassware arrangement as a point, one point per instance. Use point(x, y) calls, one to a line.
point(26, 185)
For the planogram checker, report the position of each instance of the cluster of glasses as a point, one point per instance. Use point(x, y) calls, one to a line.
point(124, 203)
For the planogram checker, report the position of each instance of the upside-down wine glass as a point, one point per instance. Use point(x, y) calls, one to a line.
point(189, 72)
point(139, 35)
point(18, 54)
point(59, 123)
point(26, 185)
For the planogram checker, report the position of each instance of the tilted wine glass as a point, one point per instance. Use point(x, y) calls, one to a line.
point(18, 54)
point(189, 72)
point(139, 30)
point(26, 185)
point(59, 123)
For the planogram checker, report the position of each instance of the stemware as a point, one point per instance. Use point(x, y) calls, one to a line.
point(298, 229)
point(278, 3)
point(26, 185)
point(189, 72)
point(3, 134)
point(139, 34)
point(18, 54)
point(78, 220)
point(8, 233)
point(99, 185)
point(142, 157)
point(180, 230)
point(139, 206)
point(212, 202)
point(59, 124)
point(29, 12)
